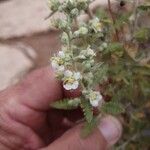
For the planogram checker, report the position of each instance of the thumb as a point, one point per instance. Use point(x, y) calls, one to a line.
point(107, 134)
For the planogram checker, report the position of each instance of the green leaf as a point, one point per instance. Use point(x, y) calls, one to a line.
point(116, 48)
point(66, 104)
point(142, 35)
point(113, 108)
point(87, 109)
point(100, 73)
point(89, 127)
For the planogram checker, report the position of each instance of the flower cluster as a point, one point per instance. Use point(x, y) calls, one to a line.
point(87, 54)
point(69, 6)
point(73, 65)
point(71, 80)
point(96, 54)
point(58, 62)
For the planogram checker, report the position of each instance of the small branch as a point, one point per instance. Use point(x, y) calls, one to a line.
point(50, 15)
point(136, 3)
point(113, 19)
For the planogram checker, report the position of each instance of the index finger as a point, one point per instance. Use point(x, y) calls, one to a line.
point(37, 90)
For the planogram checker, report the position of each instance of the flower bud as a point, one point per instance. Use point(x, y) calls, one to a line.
point(54, 5)
point(74, 12)
point(64, 38)
point(63, 24)
point(81, 31)
point(103, 46)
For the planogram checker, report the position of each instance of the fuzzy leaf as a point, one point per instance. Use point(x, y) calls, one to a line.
point(89, 127)
point(113, 108)
point(116, 48)
point(100, 74)
point(87, 109)
point(66, 104)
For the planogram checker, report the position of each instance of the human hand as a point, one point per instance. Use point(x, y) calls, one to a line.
point(27, 123)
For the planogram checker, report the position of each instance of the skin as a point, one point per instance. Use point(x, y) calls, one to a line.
point(28, 123)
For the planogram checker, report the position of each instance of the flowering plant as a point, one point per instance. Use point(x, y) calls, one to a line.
point(107, 59)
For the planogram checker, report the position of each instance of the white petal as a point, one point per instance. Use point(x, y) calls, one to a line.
point(55, 64)
point(67, 86)
point(90, 52)
point(68, 73)
point(99, 97)
point(77, 75)
point(75, 85)
point(82, 57)
point(94, 103)
point(61, 54)
point(61, 68)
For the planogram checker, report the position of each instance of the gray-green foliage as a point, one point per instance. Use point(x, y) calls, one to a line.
point(108, 58)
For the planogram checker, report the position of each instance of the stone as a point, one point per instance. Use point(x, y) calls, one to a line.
point(26, 17)
point(15, 62)
point(23, 18)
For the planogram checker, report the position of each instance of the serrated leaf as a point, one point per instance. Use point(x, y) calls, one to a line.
point(89, 127)
point(100, 73)
point(87, 109)
point(66, 104)
point(113, 108)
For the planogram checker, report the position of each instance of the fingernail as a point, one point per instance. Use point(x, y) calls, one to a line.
point(111, 129)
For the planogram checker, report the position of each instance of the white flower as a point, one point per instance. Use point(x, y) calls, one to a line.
point(90, 52)
point(71, 80)
point(96, 25)
point(95, 98)
point(61, 54)
point(72, 2)
point(58, 62)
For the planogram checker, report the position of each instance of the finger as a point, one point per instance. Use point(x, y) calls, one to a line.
point(107, 134)
point(38, 90)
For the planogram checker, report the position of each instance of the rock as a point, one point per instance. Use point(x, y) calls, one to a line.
point(26, 17)
point(14, 63)
point(23, 18)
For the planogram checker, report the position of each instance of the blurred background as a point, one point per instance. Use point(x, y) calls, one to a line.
point(26, 40)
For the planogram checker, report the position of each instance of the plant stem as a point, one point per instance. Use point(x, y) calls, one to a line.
point(113, 19)
point(50, 15)
point(136, 3)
